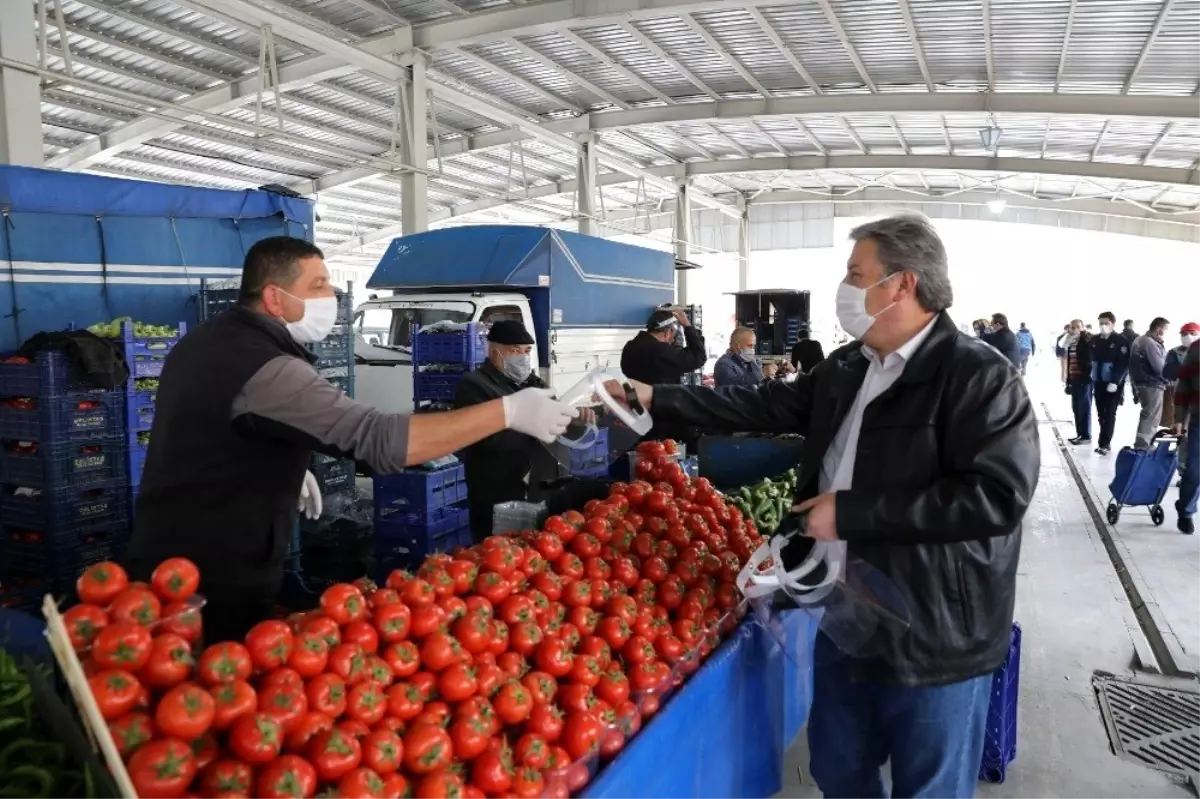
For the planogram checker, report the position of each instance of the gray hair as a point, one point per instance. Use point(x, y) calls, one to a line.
point(907, 242)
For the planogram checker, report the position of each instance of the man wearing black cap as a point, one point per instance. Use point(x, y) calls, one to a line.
point(652, 356)
point(501, 467)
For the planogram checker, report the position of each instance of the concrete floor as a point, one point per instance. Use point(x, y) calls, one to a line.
point(1075, 619)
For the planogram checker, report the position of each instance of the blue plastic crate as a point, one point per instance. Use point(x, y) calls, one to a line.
point(467, 348)
point(344, 382)
point(333, 474)
point(146, 355)
point(137, 461)
point(402, 548)
point(48, 374)
point(1000, 737)
point(336, 349)
point(417, 489)
point(59, 418)
point(63, 464)
point(26, 597)
point(139, 410)
point(435, 385)
point(422, 521)
point(58, 510)
point(61, 555)
point(585, 462)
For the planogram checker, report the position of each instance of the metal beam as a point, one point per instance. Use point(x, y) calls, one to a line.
point(784, 50)
point(1163, 13)
point(683, 238)
point(1066, 45)
point(1167, 130)
point(524, 83)
point(989, 58)
point(725, 55)
point(669, 60)
point(915, 38)
point(608, 61)
point(842, 36)
point(534, 55)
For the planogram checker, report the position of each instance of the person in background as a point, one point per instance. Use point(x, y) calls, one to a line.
point(501, 467)
point(921, 454)
point(1060, 351)
point(240, 411)
point(806, 352)
point(1128, 332)
point(653, 355)
point(1189, 334)
point(1078, 344)
point(739, 367)
point(1110, 363)
point(1026, 346)
point(1187, 419)
point(1002, 338)
point(1147, 357)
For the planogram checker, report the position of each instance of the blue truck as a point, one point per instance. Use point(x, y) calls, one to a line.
point(581, 297)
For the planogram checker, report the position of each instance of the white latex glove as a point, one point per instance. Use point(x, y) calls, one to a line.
point(310, 497)
point(1112, 388)
point(535, 412)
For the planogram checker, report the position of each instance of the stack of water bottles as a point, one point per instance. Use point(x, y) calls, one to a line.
point(64, 501)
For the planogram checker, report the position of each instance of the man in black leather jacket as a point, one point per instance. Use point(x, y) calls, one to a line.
point(922, 454)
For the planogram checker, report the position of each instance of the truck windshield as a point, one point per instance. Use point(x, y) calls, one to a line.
point(392, 327)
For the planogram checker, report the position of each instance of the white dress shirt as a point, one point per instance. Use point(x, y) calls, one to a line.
point(837, 467)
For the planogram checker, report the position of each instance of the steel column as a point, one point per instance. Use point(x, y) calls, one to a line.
point(683, 239)
point(744, 247)
point(586, 188)
point(414, 186)
point(20, 94)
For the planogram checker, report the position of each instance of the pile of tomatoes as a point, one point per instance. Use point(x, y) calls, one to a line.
point(513, 668)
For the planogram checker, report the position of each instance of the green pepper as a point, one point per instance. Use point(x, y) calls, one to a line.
point(19, 782)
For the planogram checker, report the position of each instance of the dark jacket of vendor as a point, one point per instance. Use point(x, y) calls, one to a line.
point(502, 467)
point(652, 357)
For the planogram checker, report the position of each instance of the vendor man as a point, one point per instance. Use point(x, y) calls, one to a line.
point(921, 453)
point(503, 466)
point(652, 357)
point(240, 410)
point(739, 367)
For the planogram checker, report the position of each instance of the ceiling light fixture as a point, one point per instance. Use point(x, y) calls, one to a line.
point(990, 136)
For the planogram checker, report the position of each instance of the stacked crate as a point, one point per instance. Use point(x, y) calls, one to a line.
point(440, 360)
point(145, 356)
point(419, 512)
point(591, 462)
point(64, 502)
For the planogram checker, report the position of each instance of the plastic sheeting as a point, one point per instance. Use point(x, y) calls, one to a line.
point(79, 249)
point(726, 731)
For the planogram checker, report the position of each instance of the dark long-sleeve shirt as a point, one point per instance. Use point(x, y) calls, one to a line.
point(734, 370)
point(648, 360)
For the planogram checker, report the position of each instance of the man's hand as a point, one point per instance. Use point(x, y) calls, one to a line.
point(769, 370)
point(681, 318)
point(535, 412)
point(1177, 429)
point(788, 368)
point(645, 393)
point(822, 517)
point(1112, 388)
point(587, 416)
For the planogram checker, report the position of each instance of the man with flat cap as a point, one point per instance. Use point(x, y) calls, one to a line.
point(502, 467)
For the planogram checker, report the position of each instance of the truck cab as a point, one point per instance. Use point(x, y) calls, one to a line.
point(383, 337)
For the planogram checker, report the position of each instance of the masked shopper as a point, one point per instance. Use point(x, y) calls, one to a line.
point(921, 453)
point(240, 411)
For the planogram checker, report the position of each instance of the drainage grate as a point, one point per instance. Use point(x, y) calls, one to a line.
point(1154, 726)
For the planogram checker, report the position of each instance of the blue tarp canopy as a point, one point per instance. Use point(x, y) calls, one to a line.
point(77, 249)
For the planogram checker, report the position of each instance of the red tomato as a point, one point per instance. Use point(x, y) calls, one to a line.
point(327, 694)
point(343, 603)
point(427, 619)
point(289, 776)
point(545, 720)
point(186, 712)
point(116, 692)
point(360, 782)
point(417, 593)
point(470, 737)
point(170, 662)
point(99, 584)
point(130, 731)
point(532, 750)
point(309, 727)
point(581, 734)
point(393, 621)
point(427, 748)
point(367, 702)
point(403, 658)
point(285, 703)
point(182, 619)
point(439, 651)
point(613, 687)
point(335, 754)
point(512, 703)
point(554, 657)
point(122, 645)
point(270, 644)
point(383, 751)
point(309, 656)
point(163, 768)
point(255, 738)
point(325, 627)
point(349, 662)
point(457, 682)
point(135, 604)
point(83, 623)
point(175, 579)
point(491, 772)
point(473, 633)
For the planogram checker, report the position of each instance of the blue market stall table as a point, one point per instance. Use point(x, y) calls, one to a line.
point(725, 732)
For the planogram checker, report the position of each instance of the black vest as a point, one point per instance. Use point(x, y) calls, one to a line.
point(222, 497)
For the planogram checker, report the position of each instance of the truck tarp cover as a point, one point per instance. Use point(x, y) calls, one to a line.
point(77, 249)
point(577, 280)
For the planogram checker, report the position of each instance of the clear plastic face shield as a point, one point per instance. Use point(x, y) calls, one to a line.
point(606, 425)
point(854, 604)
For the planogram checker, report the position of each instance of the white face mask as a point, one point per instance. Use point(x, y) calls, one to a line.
point(852, 308)
point(747, 353)
point(516, 367)
point(1105, 329)
point(320, 315)
point(1189, 339)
